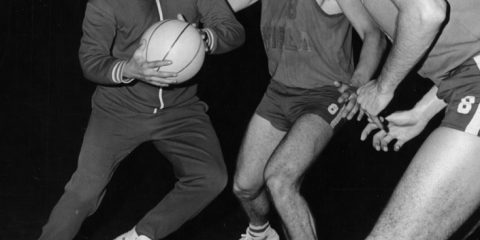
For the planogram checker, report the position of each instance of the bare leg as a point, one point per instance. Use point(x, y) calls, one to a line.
point(285, 170)
point(437, 193)
point(260, 141)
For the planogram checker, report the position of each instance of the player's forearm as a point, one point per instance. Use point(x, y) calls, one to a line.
point(429, 105)
point(238, 5)
point(418, 24)
point(374, 44)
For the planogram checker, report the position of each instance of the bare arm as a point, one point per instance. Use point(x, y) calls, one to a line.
point(372, 49)
point(418, 24)
point(429, 105)
point(374, 42)
point(405, 125)
point(238, 5)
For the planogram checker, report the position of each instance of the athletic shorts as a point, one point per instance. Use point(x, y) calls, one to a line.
point(461, 91)
point(283, 105)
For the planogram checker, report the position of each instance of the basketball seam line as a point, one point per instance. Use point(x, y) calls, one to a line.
point(174, 42)
point(193, 58)
point(151, 35)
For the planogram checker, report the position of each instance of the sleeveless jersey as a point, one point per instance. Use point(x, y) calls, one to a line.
point(306, 48)
point(459, 40)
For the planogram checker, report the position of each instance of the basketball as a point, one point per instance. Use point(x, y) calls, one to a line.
point(179, 42)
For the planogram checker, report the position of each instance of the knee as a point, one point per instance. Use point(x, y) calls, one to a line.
point(215, 181)
point(87, 190)
point(243, 190)
point(280, 186)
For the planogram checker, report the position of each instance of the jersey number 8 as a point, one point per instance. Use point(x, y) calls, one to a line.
point(465, 104)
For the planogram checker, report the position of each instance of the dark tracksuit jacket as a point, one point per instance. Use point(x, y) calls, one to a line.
point(126, 113)
point(112, 30)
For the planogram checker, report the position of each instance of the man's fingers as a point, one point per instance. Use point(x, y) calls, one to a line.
point(398, 145)
point(342, 87)
point(343, 97)
point(360, 115)
point(367, 130)
point(154, 69)
point(385, 141)
point(159, 81)
point(377, 121)
point(377, 138)
point(180, 17)
point(163, 75)
point(359, 91)
point(157, 64)
point(156, 83)
point(348, 107)
point(352, 112)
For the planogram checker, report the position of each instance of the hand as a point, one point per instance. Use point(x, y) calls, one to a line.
point(372, 98)
point(348, 94)
point(403, 126)
point(182, 18)
point(203, 34)
point(139, 68)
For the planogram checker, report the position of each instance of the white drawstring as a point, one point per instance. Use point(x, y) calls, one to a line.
point(159, 7)
point(160, 91)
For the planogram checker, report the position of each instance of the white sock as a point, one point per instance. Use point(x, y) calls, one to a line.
point(258, 230)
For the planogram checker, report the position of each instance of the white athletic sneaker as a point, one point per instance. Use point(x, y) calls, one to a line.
point(132, 235)
point(269, 234)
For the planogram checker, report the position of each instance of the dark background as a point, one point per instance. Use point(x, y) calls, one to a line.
point(45, 105)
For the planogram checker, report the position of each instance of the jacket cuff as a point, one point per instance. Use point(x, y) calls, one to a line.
point(211, 39)
point(117, 73)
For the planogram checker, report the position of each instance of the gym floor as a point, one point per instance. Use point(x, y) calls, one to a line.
point(45, 106)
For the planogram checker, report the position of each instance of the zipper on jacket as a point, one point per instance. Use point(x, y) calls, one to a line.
point(160, 90)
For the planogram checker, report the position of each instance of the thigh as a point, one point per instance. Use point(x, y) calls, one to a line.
point(271, 106)
point(106, 142)
point(438, 191)
point(300, 147)
point(322, 101)
point(315, 115)
point(258, 144)
point(186, 137)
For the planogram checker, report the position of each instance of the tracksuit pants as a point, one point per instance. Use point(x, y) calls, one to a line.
point(184, 135)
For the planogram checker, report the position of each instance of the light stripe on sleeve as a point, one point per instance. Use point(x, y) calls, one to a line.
point(114, 73)
point(212, 43)
point(117, 73)
point(122, 79)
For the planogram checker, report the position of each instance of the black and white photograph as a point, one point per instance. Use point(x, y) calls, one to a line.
point(240, 120)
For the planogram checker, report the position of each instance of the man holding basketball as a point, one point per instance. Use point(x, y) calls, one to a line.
point(134, 103)
point(440, 189)
point(308, 45)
